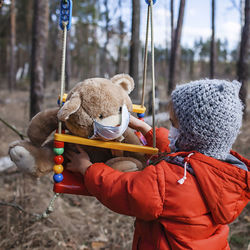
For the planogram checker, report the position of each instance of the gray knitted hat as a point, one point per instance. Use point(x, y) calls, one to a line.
point(210, 116)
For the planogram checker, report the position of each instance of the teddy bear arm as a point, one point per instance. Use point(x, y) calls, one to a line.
point(42, 125)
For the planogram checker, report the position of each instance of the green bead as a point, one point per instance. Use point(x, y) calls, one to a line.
point(58, 151)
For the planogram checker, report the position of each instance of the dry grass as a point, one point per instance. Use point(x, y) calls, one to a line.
point(78, 222)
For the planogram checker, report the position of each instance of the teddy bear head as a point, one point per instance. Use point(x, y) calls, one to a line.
point(96, 100)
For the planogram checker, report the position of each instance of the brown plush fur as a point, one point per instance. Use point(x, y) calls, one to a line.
point(42, 125)
point(92, 99)
point(89, 100)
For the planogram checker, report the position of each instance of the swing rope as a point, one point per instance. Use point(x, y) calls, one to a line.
point(144, 81)
point(153, 73)
point(149, 18)
point(50, 208)
point(63, 70)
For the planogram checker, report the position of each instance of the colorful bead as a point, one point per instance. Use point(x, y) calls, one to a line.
point(63, 131)
point(58, 144)
point(58, 177)
point(58, 169)
point(141, 115)
point(58, 159)
point(63, 100)
point(58, 151)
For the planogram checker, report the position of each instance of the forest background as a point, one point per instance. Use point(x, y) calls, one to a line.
point(193, 40)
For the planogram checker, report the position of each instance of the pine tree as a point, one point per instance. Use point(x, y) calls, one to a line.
point(243, 63)
point(175, 50)
point(135, 46)
point(39, 43)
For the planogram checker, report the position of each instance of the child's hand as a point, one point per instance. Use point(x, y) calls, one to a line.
point(79, 162)
point(139, 125)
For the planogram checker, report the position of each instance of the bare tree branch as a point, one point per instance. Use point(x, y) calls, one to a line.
point(22, 136)
point(18, 207)
point(37, 217)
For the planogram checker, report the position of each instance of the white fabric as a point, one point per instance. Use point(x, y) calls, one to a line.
point(108, 132)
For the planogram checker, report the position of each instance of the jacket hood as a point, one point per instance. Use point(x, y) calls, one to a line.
point(225, 187)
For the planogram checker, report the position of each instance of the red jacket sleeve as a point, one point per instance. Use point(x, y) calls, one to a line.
point(138, 194)
point(162, 142)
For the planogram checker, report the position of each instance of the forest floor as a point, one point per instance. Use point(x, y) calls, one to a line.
point(78, 222)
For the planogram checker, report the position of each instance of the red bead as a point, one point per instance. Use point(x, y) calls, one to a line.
point(58, 144)
point(58, 159)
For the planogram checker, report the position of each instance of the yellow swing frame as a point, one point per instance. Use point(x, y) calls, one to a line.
point(108, 144)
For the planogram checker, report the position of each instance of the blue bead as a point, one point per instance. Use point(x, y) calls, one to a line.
point(141, 115)
point(58, 178)
point(58, 102)
point(147, 1)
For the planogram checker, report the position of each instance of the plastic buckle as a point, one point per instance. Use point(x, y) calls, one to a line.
point(66, 14)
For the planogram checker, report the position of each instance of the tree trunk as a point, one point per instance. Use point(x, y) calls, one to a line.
point(175, 51)
point(172, 22)
point(29, 16)
point(242, 14)
point(121, 40)
point(39, 43)
point(105, 65)
point(12, 75)
point(212, 45)
point(135, 47)
point(168, 51)
point(242, 67)
point(120, 46)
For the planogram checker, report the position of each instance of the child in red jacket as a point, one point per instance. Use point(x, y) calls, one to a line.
point(187, 197)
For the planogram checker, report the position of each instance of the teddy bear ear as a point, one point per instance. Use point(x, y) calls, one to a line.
point(125, 81)
point(69, 108)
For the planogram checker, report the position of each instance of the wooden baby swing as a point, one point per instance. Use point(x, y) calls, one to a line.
point(66, 181)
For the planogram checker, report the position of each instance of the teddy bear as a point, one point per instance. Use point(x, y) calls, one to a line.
point(96, 108)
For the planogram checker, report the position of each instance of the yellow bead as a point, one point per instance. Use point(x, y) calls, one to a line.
point(58, 169)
